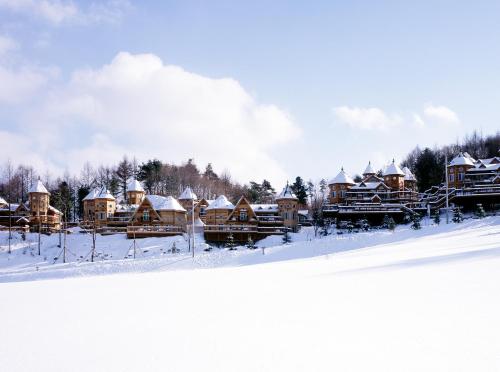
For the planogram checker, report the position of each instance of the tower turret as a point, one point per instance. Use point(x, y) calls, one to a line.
point(39, 199)
point(288, 206)
point(135, 192)
point(339, 186)
point(394, 177)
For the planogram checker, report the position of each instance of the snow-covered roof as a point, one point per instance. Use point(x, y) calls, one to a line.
point(56, 211)
point(221, 203)
point(264, 207)
point(489, 160)
point(393, 169)
point(104, 194)
point(38, 187)
point(135, 185)
point(367, 186)
point(22, 219)
point(342, 178)
point(3, 201)
point(188, 194)
point(165, 203)
point(91, 195)
point(408, 174)
point(369, 169)
point(479, 167)
point(462, 159)
point(198, 222)
point(286, 193)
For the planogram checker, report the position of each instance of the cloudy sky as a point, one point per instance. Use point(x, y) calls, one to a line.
point(263, 89)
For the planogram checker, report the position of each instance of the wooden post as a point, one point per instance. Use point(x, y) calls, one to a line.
point(93, 244)
point(64, 247)
point(39, 230)
point(446, 175)
point(192, 227)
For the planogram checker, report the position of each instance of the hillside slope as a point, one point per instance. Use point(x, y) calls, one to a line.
point(403, 301)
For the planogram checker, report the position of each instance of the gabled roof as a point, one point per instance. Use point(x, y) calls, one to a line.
point(368, 186)
point(92, 194)
point(3, 201)
point(220, 203)
point(408, 174)
point(164, 203)
point(342, 178)
point(286, 193)
point(244, 201)
point(369, 169)
point(461, 159)
point(135, 185)
point(264, 207)
point(38, 187)
point(393, 170)
point(104, 194)
point(188, 194)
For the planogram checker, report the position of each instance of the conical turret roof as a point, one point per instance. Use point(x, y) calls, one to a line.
point(369, 169)
point(342, 178)
point(38, 187)
point(393, 170)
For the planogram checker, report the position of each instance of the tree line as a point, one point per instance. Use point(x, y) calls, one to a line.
point(428, 164)
point(157, 177)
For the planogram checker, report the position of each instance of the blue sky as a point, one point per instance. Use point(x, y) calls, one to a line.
point(309, 87)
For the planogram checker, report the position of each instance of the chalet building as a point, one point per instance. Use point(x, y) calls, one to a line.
point(188, 199)
point(470, 182)
point(41, 214)
point(17, 213)
point(101, 209)
point(394, 192)
point(255, 221)
point(157, 216)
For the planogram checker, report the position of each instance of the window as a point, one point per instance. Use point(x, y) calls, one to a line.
point(243, 215)
point(202, 211)
point(460, 176)
point(452, 177)
point(342, 194)
point(334, 194)
point(145, 215)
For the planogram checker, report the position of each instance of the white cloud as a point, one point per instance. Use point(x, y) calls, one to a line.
point(418, 121)
point(441, 114)
point(63, 11)
point(7, 44)
point(371, 118)
point(138, 105)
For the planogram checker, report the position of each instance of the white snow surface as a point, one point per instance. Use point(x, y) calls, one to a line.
point(423, 300)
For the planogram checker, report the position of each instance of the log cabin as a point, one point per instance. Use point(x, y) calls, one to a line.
point(392, 192)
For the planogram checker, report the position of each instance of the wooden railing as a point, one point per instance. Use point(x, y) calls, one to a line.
point(154, 229)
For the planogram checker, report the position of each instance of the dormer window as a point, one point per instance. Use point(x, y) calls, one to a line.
point(243, 215)
point(145, 215)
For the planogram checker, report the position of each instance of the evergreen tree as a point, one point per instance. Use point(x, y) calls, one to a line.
point(416, 222)
point(457, 215)
point(230, 243)
point(209, 173)
point(123, 174)
point(286, 237)
point(480, 213)
point(300, 190)
point(389, 223)
point(250, 243)
point(437, 218)
point(323, 187)
point(407, 218)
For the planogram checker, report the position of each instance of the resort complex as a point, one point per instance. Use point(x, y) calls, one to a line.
point(390, 191)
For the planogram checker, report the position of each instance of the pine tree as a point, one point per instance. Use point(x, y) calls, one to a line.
point(286, 237)
point(457, 215)
point(250, 243)
point(416, 222)
point(389, 223)
point(123, 174)
point(230, 243)
point(407, 218)
point(480, 213)
point(300, 190)
point(437, 218)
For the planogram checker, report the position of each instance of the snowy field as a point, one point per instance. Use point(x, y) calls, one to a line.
point(426, 300)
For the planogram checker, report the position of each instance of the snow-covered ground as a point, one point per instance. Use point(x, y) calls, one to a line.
point(404, 301)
